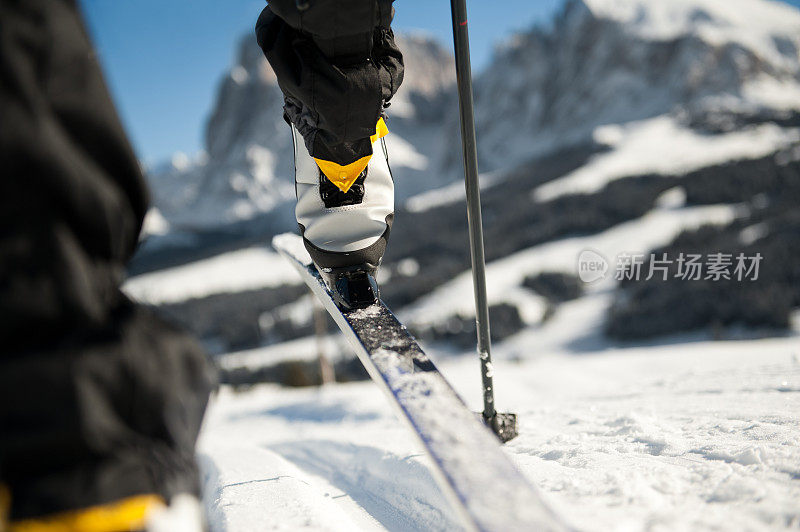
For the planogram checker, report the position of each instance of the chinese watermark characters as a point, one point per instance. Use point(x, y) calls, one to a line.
point(714, 267)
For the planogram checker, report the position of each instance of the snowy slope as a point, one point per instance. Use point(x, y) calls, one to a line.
point(692, 437)
point(662, 146)
point(504, 277)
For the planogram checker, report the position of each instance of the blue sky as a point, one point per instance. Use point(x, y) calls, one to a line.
point(163, 58)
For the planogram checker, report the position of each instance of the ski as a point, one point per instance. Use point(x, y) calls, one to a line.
point(483, 485)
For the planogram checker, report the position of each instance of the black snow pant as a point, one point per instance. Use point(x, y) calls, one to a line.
point(338, 66)
point(99, 399)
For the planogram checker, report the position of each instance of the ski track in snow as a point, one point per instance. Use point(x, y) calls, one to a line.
point(327, 459)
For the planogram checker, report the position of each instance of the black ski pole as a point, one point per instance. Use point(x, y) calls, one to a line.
point(504, 425)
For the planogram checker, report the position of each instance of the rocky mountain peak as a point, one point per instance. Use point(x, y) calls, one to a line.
point(246, 92)
point(609, 61)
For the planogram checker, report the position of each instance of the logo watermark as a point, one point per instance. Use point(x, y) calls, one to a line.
point(593, 266)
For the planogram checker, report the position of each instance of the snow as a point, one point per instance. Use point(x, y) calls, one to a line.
point(771, 93)
point(449, 433)
point(448, 194)
point(678, 437)
point(678, 434)
point(236, 271)
point(154, 223)
point(294, 350)
point(184, 514)
point(404, 154)
point(662, 146)
point(685, 435)
point(673, 198)
point(307, 468)
point(408, 267)
point(293, 245)
point(753, 24)
point(239, 74)
point(674, 437)
point(447, 426)
point(753, 233)
point(180, 161)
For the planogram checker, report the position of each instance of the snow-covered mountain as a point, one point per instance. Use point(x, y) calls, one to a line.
point(587, 122)
point(246, 167)
point(618, 61)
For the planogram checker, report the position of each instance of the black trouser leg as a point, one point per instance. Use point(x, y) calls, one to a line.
point(338, 65)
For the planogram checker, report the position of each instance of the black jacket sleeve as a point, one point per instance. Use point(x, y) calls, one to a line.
point(99, 399)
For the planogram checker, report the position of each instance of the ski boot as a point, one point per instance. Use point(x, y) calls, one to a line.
point(345, 216)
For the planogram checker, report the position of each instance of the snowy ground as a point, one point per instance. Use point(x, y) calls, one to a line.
point(700, 436)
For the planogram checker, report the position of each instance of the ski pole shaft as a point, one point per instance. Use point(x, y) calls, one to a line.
point(464, 81)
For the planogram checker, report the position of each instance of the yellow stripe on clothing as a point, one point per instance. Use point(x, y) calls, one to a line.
point(118, 516)
point(343, 176)
point(5, 507)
